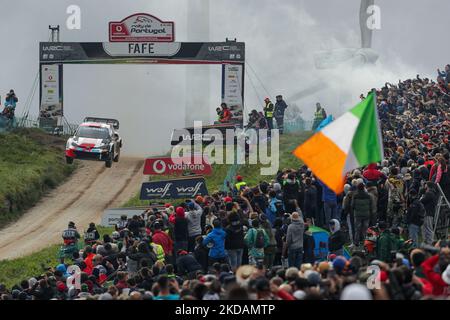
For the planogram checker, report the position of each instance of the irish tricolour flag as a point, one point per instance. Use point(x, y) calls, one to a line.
point(351, 141)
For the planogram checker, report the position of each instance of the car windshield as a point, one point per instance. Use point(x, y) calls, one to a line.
point(93, 132)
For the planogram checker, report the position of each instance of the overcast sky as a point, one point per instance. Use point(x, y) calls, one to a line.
point(281, 38)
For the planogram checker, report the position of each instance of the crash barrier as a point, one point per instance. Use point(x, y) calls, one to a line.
point(34, 122)
point(297, 125)
point(112, 216)
point(187, 187)
point(7, 124)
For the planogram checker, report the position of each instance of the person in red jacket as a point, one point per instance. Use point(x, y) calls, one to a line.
point(88, 260)
point(433, 269)
point(226, 114)
point(163, 239)
point(371, 173)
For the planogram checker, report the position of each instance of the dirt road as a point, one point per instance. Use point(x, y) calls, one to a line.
point(82, 199)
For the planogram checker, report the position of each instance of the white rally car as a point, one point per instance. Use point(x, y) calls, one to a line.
point(95, 139)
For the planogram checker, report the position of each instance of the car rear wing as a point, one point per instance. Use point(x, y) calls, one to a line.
point(113, 122)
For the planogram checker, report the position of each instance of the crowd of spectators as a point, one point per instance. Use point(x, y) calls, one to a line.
point(256, 242)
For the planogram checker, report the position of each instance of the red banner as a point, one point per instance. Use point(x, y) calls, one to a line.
point(169, 166)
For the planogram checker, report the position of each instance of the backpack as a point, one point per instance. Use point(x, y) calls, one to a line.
point(259, 239)
point(395, 193)
point(279, 208)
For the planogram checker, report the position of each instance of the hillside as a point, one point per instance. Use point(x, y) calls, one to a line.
point(31, 163)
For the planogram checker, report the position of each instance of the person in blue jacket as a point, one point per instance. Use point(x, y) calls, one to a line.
point(329, 200)
point(215, 241)
point(275, 208)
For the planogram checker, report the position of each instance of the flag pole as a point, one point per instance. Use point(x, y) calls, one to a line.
point(380, 136)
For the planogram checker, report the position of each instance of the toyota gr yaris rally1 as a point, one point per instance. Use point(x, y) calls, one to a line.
point(95, 139)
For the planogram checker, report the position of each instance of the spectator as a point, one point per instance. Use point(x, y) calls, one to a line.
point(415, 215)
point(216, 242)
point(181, 231)
point(294, 240)
point(256, 240)
point(429, 200)
point(193, 217)
point(187, 265)
point(337, 238)
point(361, 207)
point(234, 241)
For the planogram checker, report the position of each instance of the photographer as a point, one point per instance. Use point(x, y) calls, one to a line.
point(11, 99)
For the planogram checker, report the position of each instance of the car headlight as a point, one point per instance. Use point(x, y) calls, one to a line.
point(73, 144)
point(104, 147)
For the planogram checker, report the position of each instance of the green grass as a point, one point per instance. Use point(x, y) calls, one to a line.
point(35, 264)
point(31, 162)
point(250, 172)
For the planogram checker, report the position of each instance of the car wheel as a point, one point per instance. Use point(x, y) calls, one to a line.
point(69, 160)
point(116, 158)
point(108, 163)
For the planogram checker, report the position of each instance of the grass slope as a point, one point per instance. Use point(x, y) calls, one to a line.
point(251, 173)
point(31, 162)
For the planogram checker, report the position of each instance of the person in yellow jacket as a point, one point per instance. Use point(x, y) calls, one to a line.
point(159, 251)
point(268, 113)
point(240, 183)
point(319, 116)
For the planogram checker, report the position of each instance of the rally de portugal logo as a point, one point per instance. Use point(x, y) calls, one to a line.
point(141, 27)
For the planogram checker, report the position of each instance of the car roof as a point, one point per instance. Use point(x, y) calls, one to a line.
point(95, 124)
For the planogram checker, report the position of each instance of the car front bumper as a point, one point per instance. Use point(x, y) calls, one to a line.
point(94, 154)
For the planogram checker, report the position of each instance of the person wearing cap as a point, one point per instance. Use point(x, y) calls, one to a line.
point(194, 218)
point(187, 265)
point(70, 235)
point(319, 116)
point(240, 183)
point(161, 238)
point(159, 251)
point(268, 113)
point(11, 99)
point(180, 230)
point(280, 107)
point(294, 240)
point(91, 235)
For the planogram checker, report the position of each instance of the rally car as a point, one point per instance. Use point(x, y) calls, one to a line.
point(95, 139)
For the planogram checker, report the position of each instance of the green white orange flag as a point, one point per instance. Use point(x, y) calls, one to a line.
point(351, 141)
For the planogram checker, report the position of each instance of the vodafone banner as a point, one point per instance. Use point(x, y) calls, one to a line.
point(169, 166)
